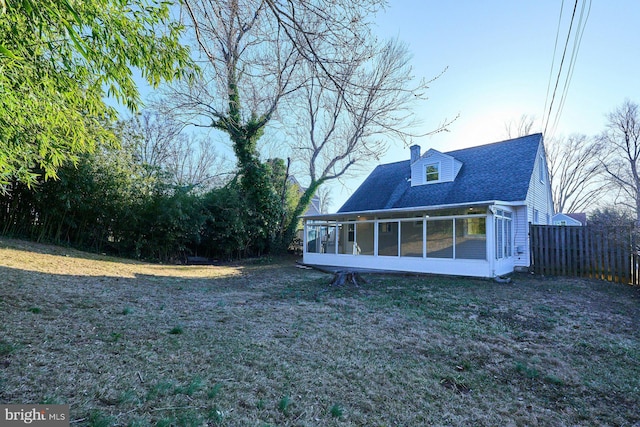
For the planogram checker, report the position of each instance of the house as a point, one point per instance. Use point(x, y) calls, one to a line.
point(463, 212)
point(570, 219)
point(313, 209)
point(314, 205)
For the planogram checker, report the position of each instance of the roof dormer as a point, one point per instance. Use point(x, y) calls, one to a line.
point(432, 167)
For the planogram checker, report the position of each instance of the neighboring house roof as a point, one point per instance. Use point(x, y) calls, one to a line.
point(314, 205)
point(580, 216)
point(570, 218)
point(499, 171)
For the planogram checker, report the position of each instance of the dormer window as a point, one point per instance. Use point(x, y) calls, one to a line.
point(433, 167)
point(432, 172)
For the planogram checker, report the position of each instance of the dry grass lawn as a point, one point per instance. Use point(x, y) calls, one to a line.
point(268, 344)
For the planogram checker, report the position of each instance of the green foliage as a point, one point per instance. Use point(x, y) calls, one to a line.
point(224, 233)
point(284, 405)
point(526, 370)
point(263, 207)
point(292, 223)
point(112, 202)
point(246, 220)
point(195, 385)
point(108, 203)
point(6, 348)
point(216, 415)
point(176, 330)
point(98, 419)
point(337, 411)
point(214, 391)
point(59, 60)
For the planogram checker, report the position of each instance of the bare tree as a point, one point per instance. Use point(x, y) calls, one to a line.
point(621, 151)
point(152, 138)
point(325, 199)
point(160, 144)
point(521, 127)
point(251, 52)
point(194, 162)
point(338, 127)
point(574, 169)
point(575, 172)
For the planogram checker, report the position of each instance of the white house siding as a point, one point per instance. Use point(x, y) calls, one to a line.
point(539, 195)
point(521, 236)
point(539, 199)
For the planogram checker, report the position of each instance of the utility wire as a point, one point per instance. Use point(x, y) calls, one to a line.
point(564, 53)
point(582, 23)
point(553, 61)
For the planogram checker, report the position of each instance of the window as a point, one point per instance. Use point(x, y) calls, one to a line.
point(475, 226)
point(351, 233)
point(386, 227)
point(504, 234)
point(541, 169)
point(432, 172)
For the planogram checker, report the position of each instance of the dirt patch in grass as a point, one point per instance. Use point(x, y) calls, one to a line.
point(266, 343)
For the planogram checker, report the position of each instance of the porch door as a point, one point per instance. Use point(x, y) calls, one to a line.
point(504, 242)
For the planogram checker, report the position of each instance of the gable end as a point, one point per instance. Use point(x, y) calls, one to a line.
point(434, 168)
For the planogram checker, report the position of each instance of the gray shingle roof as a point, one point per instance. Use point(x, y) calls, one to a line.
point(498, 171)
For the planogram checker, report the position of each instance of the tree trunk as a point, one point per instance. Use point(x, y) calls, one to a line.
point(292, 227)
point(341, 278)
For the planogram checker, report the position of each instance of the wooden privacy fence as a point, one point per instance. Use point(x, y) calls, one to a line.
point(607, 253)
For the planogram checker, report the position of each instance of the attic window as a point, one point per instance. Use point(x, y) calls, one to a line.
point(432, 172)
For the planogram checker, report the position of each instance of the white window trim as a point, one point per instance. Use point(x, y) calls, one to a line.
point(438, 164)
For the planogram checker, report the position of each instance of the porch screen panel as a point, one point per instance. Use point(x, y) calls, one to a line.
point(317, 236)
point(346, 238)
point(411, 238)
point(440, 238)
point(388, 238)
point(471, 238)
point(364, 238)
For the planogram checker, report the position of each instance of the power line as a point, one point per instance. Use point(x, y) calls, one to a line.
point(553, 61)
point(564, 53)
point(574, 55)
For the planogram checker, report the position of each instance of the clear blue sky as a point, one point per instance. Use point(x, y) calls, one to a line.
point(499, 55)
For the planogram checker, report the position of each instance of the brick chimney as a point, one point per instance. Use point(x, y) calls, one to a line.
point(415, 153)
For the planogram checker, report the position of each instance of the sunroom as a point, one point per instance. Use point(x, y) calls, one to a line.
point(471, 240)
